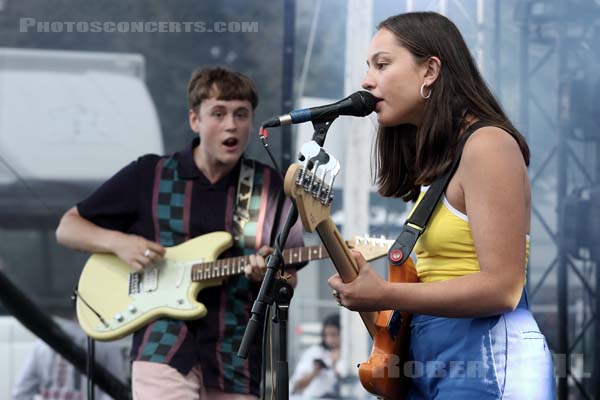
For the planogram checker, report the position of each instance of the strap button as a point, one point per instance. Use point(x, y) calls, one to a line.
point(396, 255)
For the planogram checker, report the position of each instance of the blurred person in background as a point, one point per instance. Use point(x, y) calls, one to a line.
point(47, 375)
point(317, 373)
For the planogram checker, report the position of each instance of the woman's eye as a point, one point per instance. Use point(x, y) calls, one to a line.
point(380, 65)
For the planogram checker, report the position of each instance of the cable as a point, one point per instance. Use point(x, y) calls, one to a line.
point(273, 382)
point(263, 374)
point(267, 332)
point(90, 368)
point(263, 135)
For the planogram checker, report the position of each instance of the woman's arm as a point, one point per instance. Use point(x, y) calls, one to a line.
point(493, 178)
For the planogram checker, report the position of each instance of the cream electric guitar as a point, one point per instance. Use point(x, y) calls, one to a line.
point(113, 300)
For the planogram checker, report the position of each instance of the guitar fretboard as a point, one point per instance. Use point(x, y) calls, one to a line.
point(235, 265)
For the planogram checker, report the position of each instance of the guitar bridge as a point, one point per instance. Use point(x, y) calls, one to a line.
point(134, 283)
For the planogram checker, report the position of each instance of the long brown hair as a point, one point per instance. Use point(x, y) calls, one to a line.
point(406, 156)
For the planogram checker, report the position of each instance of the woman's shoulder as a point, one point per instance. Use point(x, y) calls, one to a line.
point(491, 144)
point(491, 161)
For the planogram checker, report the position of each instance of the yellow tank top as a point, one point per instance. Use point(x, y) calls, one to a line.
point(446, 249)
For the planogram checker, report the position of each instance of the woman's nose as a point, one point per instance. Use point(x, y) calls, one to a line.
point(368, 83)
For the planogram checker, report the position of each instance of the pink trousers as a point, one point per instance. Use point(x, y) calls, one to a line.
point(151, 381)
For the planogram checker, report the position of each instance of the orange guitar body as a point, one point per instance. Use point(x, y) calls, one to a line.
point(383, 374)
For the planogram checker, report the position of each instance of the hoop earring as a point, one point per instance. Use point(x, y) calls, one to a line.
point(421, 92)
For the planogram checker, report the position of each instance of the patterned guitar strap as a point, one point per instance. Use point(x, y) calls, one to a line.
point(247, 206)
point(241, 214)
point(244, 228)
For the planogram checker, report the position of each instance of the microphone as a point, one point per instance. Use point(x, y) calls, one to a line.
point(358, 104)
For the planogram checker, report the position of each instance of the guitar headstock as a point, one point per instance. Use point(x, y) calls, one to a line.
point(370, 247)
point(310, 184)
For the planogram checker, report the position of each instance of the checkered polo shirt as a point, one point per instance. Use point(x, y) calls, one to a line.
point(168, 200)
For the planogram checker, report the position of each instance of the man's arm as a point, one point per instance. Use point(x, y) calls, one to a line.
point(78, 233)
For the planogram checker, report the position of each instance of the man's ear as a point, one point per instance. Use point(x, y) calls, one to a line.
point(193, 118)
point(433, 65)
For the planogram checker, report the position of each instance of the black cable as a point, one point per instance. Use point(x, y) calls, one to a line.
point(263, 136)
point(276, 244)
point(263, 373)
point(90, 368)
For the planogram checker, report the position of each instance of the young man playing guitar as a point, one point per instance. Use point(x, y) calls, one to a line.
point(161, 201)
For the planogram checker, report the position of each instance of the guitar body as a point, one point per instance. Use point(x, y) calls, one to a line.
point(383, 374)
point(105, 286)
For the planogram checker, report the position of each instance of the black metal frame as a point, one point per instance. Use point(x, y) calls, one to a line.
point(550, 30)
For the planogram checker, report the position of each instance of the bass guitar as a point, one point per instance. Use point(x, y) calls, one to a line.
point(310, 184)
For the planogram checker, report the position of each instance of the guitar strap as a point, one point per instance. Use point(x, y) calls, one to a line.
point(247, 205)
point(241, 214)
point(415, 225)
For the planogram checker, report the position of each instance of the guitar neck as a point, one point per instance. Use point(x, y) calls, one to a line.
point(344, 263)
point(235, 265)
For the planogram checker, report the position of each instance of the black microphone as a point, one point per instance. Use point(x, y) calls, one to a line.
point(358, 104)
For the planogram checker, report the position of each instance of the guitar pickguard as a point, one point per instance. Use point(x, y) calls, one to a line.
point(160, 287)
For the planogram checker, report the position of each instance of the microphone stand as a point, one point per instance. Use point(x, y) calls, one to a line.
point(278, 290)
